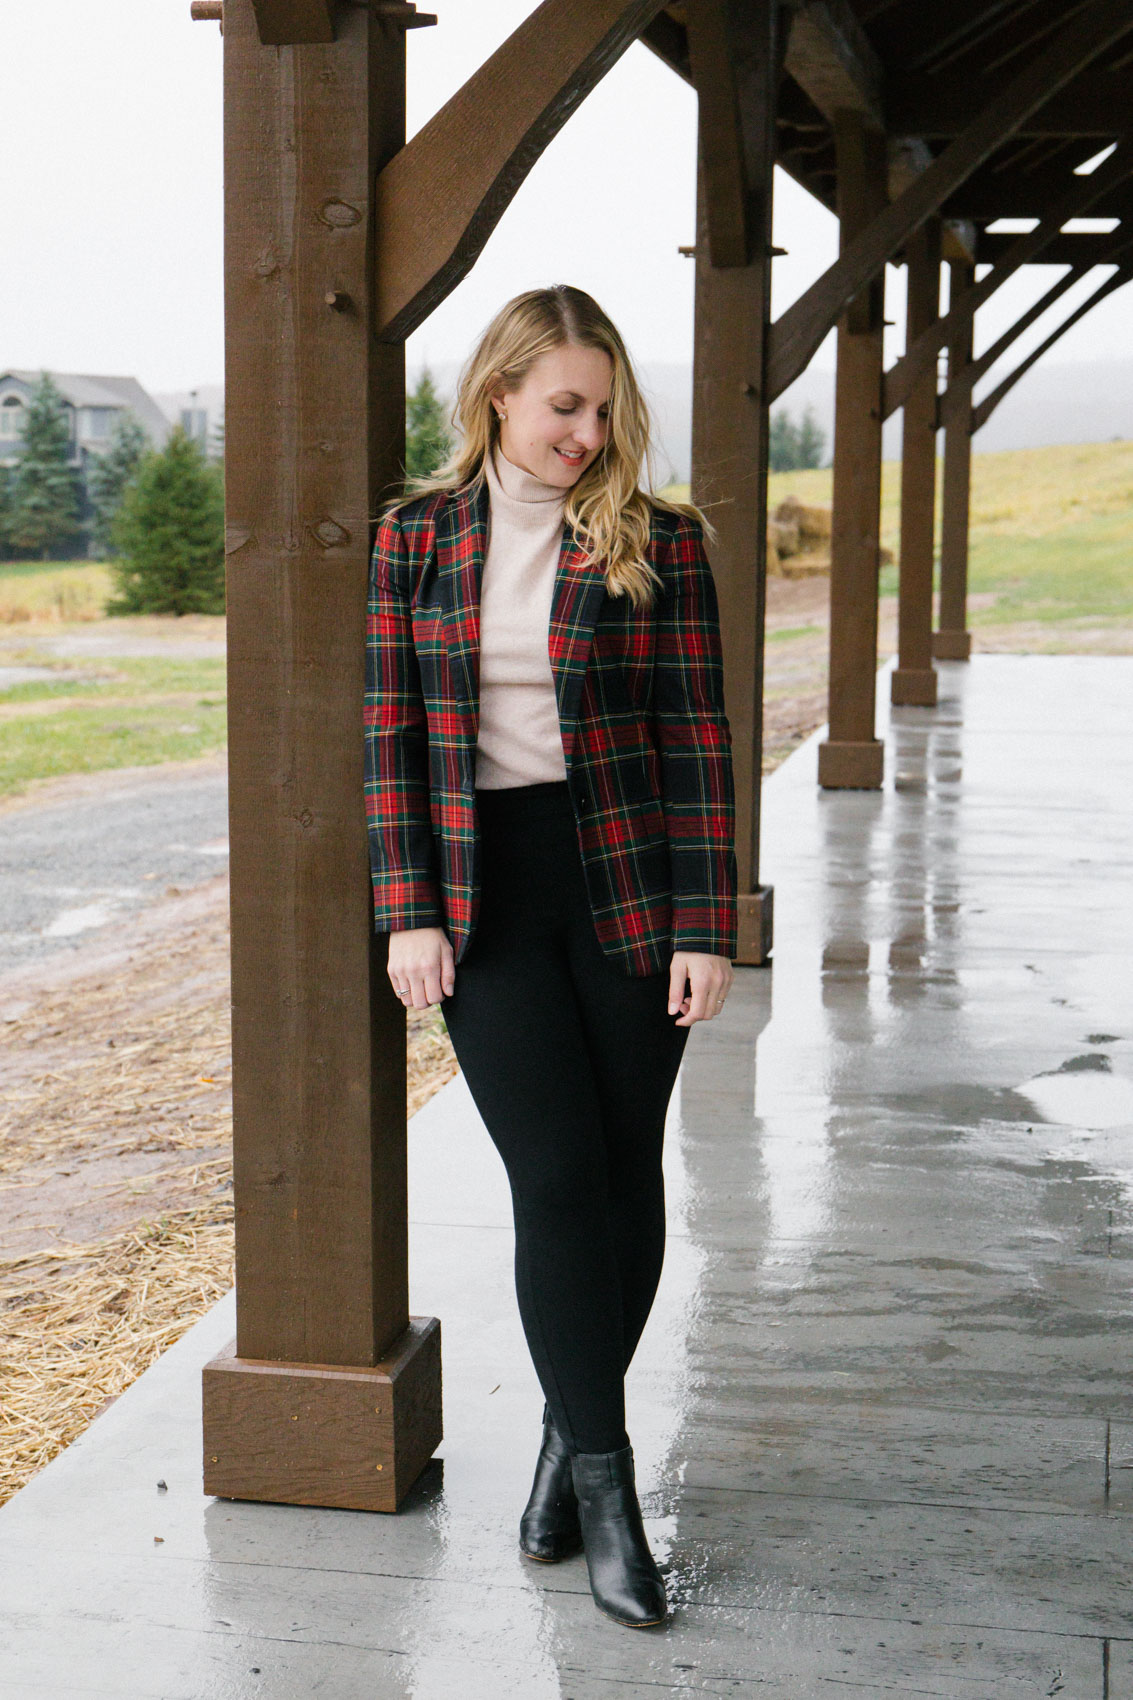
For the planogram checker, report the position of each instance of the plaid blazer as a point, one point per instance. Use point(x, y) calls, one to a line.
point(641, 711)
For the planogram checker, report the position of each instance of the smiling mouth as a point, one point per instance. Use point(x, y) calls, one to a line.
point(572, 459)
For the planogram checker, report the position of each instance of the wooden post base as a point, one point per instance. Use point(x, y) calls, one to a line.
point(324, 1434)
point(913, 687)
point(844, 766)
point(756, 927)
point(952, 646)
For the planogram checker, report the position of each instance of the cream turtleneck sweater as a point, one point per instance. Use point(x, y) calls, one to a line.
point(519, 741)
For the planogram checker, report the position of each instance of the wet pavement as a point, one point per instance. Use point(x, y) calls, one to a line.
point(87, 853)
point(882, 1413)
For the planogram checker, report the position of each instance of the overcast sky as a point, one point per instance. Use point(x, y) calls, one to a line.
point(110, 179)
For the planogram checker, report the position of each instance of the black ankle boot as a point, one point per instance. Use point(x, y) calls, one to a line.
point(624, 1580)
point(549, 1528)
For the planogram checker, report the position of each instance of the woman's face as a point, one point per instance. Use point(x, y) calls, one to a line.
point(557, 419)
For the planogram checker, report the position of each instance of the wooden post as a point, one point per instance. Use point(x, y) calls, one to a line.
point(729, 436)
point(914, 679)
point(953, 641)
point(331, 1392)
point(852, 757)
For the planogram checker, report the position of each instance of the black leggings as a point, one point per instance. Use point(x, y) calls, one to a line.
point(571, 1062)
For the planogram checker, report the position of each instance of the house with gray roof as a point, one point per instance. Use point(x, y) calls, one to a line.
point(92, 405)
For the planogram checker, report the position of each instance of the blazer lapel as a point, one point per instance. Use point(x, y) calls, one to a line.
point(578, 595)
point(462, 542)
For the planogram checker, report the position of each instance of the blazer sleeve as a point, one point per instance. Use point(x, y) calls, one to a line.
point(695, 747)
point(403, 856)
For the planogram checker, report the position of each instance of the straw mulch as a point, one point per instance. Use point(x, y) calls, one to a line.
point(115, 1123)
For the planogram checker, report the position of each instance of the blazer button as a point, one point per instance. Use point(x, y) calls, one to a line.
point(582, 800)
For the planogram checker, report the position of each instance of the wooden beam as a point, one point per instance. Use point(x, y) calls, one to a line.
point(831, 58)
point(668, 39)
point(975, 369)
point(798, 333)
point(441, 196)
point(852, 756)
point(913, 681)
point(724, 185)
point(1080, 194)
point(929, 104)
point(1073, 248)
point(286, 22)
point(730, 432)
point(984, 409)
point(315, 427)
point(952, 641)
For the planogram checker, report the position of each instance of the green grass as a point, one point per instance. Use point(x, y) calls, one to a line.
point(93, 739)
point(129, 711)
point(1051, 533)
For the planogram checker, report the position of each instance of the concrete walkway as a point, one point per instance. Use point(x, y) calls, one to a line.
point(883, 1411)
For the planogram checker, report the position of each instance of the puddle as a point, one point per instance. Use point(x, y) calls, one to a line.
point(1087, 1099)
point(71, 921)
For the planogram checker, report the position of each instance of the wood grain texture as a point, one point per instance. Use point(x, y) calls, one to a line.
point(318, 1434)
point(799, 331)
point(851, 756)
point(830, 57)
point(730, 432)
point(314, 431)
point(913, 680)
point(442, 195)
point(712, 33)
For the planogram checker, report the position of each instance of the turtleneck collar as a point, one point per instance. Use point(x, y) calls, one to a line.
point(518, 484)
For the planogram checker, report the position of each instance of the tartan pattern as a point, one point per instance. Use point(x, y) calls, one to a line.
point(641, 711)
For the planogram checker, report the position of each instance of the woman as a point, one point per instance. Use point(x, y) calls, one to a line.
point(551, 809)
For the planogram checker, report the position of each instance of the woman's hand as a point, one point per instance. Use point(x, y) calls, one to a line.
point(709, 979)
point(421, 967)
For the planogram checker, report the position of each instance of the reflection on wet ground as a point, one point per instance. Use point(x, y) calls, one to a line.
point(882, 1412)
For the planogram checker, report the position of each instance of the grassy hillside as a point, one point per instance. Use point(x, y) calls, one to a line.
point(1051, 538)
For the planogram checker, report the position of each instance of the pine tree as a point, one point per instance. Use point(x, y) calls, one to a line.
point(782, 443)
point(108, 475)
point(168, 534)
point(43, 492)
point(810, 440)
point(427, 439)
point(5, 502)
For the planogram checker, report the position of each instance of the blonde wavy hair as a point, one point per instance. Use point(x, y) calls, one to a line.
point(607, 509)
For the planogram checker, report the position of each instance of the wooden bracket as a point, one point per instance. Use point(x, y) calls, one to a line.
point(441, 196)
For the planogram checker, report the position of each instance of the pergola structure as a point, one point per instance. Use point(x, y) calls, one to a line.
point(920, 123)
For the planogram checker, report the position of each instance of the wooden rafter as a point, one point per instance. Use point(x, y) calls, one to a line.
point(829, 55)
point(984, 409)
point(1066, 248)
point(974, 370)
point(797, 334)
point(932, 105)
point(1081, 194)
point(440, 198)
